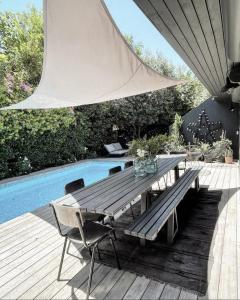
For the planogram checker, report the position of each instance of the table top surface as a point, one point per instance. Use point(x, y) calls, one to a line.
point(112, 194)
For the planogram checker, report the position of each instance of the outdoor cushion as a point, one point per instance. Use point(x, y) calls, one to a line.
point(119, 152)
point(110, 148)
point(117, 146)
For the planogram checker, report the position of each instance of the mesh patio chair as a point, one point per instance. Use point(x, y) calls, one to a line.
point(87, 233)
point(128, 164)
point(114, 170)
point(72, 187)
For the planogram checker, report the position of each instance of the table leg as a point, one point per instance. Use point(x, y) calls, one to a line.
point(144, 202)
point(197, 186)
point(176, 173)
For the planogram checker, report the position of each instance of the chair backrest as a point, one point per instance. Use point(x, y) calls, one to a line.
point(68, 216)
point(74, 185)
point(110, 148)
point(128, 164)
point(117, 146)
point(114, 170)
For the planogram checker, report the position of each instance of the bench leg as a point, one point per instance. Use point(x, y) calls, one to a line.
point(197, 185)
point(145, 202)
point(144, 206)
point(176, 173)
point(172, 227)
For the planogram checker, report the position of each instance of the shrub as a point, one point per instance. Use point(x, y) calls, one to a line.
point(154, 145)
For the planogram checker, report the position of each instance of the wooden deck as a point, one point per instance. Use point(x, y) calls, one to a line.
point(30, 249)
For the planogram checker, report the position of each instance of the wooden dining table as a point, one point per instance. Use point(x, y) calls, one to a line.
point(111, 195)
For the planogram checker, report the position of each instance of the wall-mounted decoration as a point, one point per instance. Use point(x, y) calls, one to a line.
point(204, 130)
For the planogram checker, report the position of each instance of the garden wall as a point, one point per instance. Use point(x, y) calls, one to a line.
point(215, 111)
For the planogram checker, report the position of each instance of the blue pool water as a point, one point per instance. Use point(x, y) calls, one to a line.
point(24, 195)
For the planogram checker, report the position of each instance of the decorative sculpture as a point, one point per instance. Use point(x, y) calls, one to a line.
point(204, 130)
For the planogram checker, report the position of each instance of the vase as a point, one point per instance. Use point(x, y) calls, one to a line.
point(151, 165)
point(139, 167)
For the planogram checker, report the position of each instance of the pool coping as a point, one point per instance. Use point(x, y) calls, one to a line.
point(21, 177)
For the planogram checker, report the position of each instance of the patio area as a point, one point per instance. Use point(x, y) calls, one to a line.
point(31, 248)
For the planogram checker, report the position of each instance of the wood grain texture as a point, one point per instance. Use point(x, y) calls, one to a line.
point(29, 262)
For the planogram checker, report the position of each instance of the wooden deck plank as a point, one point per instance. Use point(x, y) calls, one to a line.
point(72, 285)
point(30, 250)
point(19, 275)
point(23, 262)
point(228, 274)
point(98, 276)
point(137, 289)
point(185, 295)
point(46, 283)
point(101, 291)
point(10, 257)
point(121, 287)
point(153, 291)
point(170, 292)
point(217, 244)
point(59, 288)
point(23, 232)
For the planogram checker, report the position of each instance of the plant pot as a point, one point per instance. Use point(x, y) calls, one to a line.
point(228, 159)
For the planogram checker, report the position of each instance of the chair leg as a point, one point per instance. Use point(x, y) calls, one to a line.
point(62, 257)
point(69, 243)
point(90, 252)
point(114, 235)
point(165, 181)
point(111, 220)
point(115, 253)
point(99, 255)
point(91, 272)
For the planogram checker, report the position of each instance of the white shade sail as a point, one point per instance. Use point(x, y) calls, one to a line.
point(86, 59)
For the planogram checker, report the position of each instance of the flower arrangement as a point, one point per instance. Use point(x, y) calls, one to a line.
point(141, 154)
point(145, 162)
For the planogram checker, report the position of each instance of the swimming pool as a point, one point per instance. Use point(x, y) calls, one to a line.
point(25, 195)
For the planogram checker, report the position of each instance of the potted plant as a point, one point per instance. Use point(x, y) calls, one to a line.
point(220, 147)
point(205, 149)
point(145, 152)
point(139, 163)
point(229, 156)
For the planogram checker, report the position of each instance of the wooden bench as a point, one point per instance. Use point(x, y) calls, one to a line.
point(163, 210)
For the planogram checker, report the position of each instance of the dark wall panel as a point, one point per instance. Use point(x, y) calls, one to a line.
point(216, 111)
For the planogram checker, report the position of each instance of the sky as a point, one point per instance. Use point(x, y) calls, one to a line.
point(129, 19)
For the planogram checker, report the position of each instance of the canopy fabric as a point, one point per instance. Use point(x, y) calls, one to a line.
point(87, 60)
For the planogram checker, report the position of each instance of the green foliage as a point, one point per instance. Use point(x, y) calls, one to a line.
point(222, 148)
point(205, 148)
point(175, 129)
point(154, 145)
point(32, 140)
point(137, 47)
point(100, 121)
point(176, 140)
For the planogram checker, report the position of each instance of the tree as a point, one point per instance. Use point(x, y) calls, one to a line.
point(46, 138)
point(53, 137)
